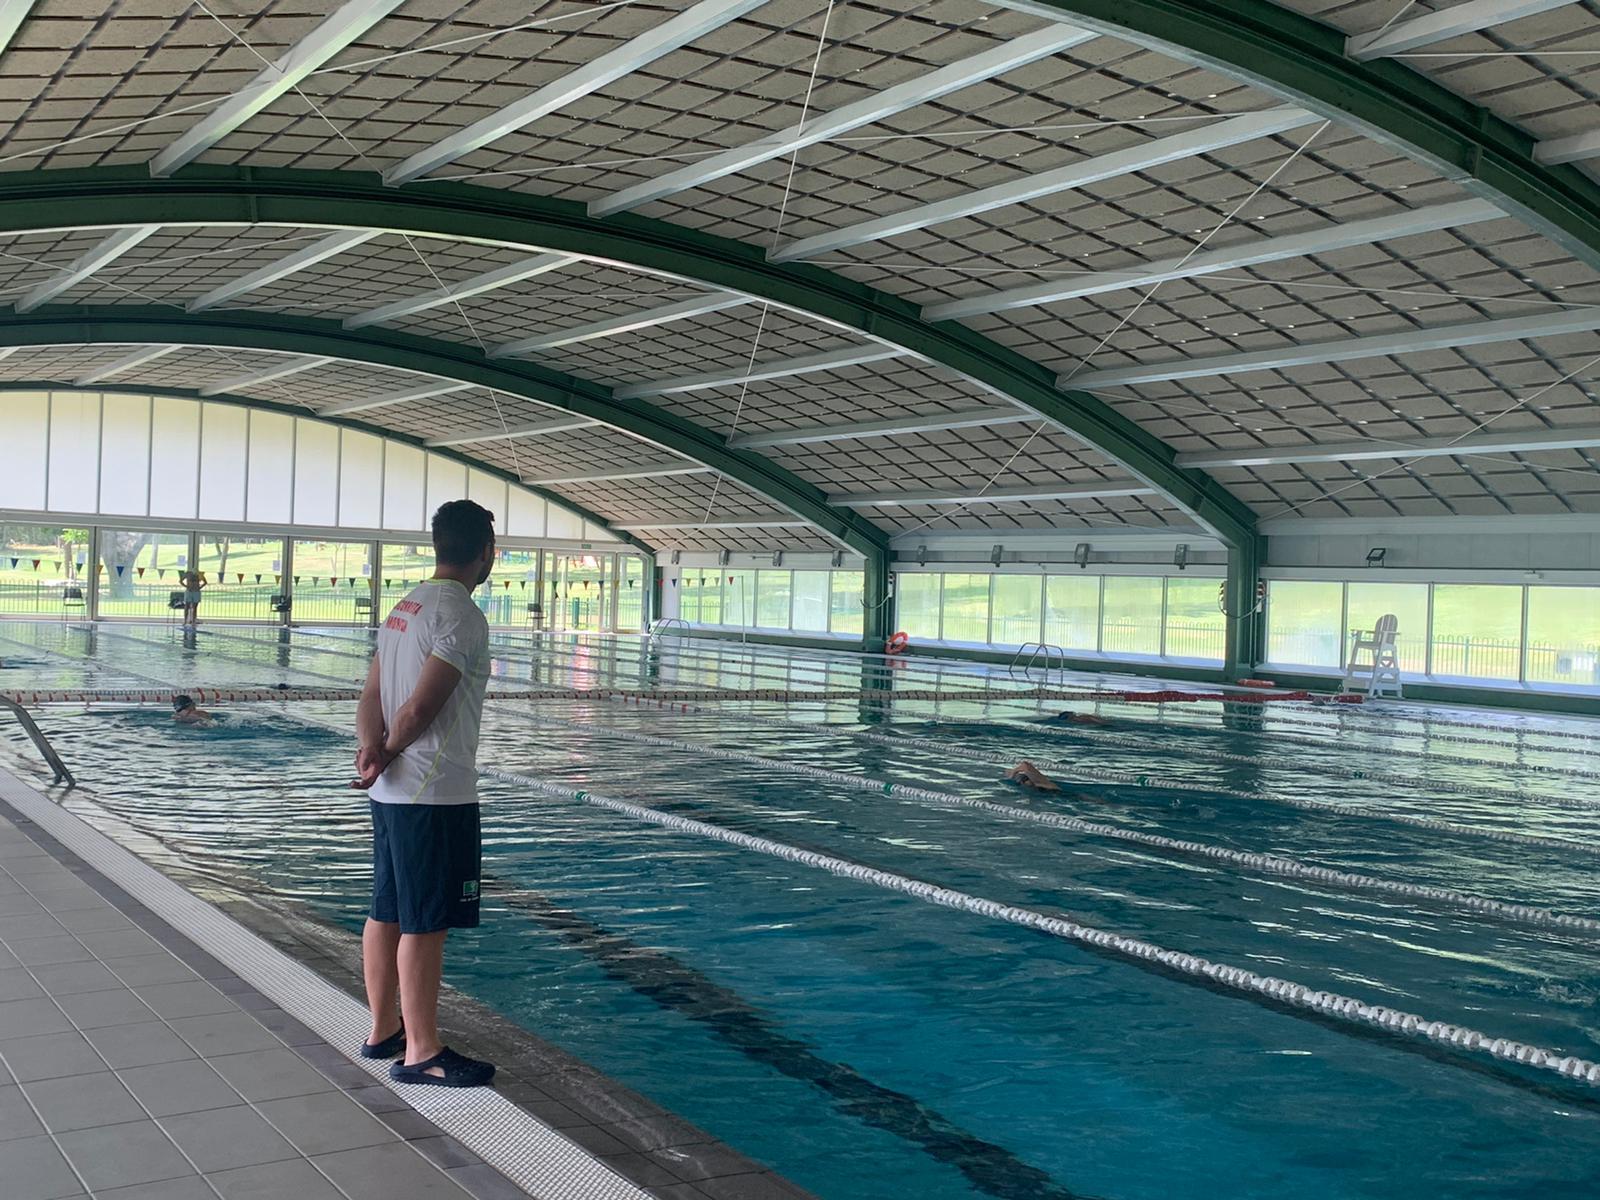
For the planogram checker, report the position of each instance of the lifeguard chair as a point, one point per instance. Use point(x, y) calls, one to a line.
point(1378, 674)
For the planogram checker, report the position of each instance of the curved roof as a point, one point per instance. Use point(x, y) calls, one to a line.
point(751, 275)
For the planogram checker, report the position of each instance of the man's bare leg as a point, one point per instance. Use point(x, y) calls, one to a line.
point(380, 941)
point(421, 960)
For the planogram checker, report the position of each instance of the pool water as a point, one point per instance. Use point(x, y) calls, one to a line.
point(869, 1045)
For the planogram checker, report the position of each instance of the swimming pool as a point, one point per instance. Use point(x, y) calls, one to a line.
point(866, 1043)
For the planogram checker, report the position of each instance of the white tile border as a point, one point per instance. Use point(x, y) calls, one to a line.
point(513, 1141)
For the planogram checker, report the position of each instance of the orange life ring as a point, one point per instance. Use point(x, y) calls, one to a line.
point(897, 643)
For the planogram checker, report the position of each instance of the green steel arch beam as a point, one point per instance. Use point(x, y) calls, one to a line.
point(1299, 58)
point(112, 197)
point(390, 435)
point(245, 330)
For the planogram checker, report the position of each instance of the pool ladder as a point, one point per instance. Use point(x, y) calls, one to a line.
point(1043, 656)
point(25, 719)
point(665, 625)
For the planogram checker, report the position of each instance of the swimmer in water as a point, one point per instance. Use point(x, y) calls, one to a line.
point(185, 712)
point(1029, 776)
point(1074, 718)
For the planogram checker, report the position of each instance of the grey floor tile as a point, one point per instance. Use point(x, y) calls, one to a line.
point(76, 898)
point(757, 1186)
point(408, 1123)
point(228, 1137)
point(485, 1183)
point(290, 1180)
point(23, 1018)
point(8, 960)
point(325, 1122)
point(120, 943)
point(82, 1102)
point(195, 998)
point(18, 904)
point(28, 867)
point(67, 979)
point(50, 1056)
point(677, 1191)
point(146, 970)
point(33, 1169)
point(17, 984)
point(225, 1033)
point(168, 1089)
point(95, 1010)
point(696, 1163)
point(597, 1141)
point(93, 920)
point(444, 1151)
point(116, 1156)
point(638, 1168)
point(41, 951)
point(138, 1045)
point(17, 1117)
point(191, 1187)
point(385, 1172)
point(270, 1074)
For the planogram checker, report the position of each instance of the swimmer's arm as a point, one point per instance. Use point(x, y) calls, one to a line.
point(434, 685)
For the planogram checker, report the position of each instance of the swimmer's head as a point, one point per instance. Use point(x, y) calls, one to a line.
point(181, 703)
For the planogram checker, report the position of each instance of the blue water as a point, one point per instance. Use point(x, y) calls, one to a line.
point(869, 1045)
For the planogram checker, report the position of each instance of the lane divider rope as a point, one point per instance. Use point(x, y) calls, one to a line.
point(1284, 991)
point(1271, 864)
point(1096, 774)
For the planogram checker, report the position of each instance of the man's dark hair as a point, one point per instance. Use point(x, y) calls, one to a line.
point(462, 531)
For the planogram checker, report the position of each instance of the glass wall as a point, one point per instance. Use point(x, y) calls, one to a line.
point(1072, 611)
point(1130, 615)
point(242, 574)
point(139, 572)
point(964, 609)
point(1015, 606)
point(846, 614)
point(1564, 635)
point(332, 582)
point(43, 569)
point(917, 605)
point(631, 595)
point(1488, 632)
point(1195, 626)
point(774, 591)
point(810, 602)
point(1304, 622)
point(1477, 631)
point(577, 588)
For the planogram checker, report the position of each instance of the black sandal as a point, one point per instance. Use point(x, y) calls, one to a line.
point(459, 1071)
point(392, 1046)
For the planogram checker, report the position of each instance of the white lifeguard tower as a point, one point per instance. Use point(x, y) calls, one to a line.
point(1378, 673)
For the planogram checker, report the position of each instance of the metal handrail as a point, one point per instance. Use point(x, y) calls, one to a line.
point(663, 624)
point(39, 740)
point(1051, 653)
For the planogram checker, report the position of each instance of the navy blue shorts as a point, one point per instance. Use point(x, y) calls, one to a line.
point(425, 863)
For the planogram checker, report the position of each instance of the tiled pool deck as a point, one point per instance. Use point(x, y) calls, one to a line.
point(135, 1065)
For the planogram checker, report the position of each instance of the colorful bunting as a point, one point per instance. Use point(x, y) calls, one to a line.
point(162, 573)
point(14, 563)
point(141, 571)
point(240, 576)
point(258, 576)
point(36, 564)
point(58, 564)
point(121, 567)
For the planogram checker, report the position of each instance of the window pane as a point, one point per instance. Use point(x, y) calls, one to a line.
point(1369, 603)
point(125, 458)
point(1303, 623)
point(74, 451)
point(917, 605)
point(506, 594)
point(270, 489)
point(360, 480)
point(739, 598)
point(1564, 635)
point(846, 602)
point(47, 558)
point(711, 596)
point(1016, 609)
point(224, 448)
point(689, 596)
point(27, 438)
point(966, 608)
point(1477, 630)
point(1132, 619)
point(447, 480)
point(811, 601)
point(1072, 611)
point(1196, 627)
point(772, 599)
point(139, 572)
point(630, 597)
point(242, 574)
point(331, 581)
point(174, 457)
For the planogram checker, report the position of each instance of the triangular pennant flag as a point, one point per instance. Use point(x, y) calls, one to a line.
point(258, 576)
point(523, 584)
point(315, 580)
point(239, 576)
point(121, 567)
point(297, 579)
point(58, 564)
point(507, 582)
point(14, 563)
point(162, 573)
point(141, 571)
point(36, 564)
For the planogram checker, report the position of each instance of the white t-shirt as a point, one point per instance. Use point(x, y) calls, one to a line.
point(437, 619)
